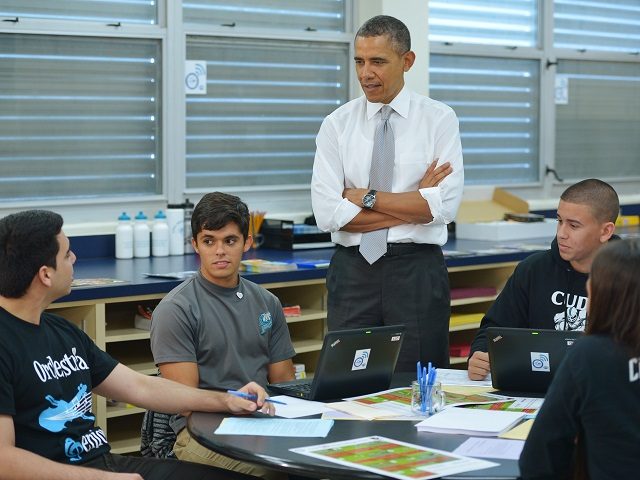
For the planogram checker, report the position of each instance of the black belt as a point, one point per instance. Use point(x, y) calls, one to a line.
point(395, 249)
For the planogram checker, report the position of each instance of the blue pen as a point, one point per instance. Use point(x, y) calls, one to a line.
point(251, 396)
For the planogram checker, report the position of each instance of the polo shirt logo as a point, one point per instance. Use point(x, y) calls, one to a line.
point(265, 322)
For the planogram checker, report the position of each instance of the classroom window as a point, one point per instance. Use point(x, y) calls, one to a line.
point(574, 107)
point(496, 101)
point(605, 25)
point(79, 117)
point(142, 12)
point(311, 15)
point(265, 101)
point(598, 127)
point(484, 22)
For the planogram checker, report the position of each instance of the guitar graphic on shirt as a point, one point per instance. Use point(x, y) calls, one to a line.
point(56, 417)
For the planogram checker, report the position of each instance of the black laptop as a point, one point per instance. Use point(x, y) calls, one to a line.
point(352, 362)
point(523, 361)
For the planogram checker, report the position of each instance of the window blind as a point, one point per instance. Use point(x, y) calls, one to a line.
point(611, 25)
point(598, 129)
point(327, 15)
point(484, 22)
point(107, 11)
point(497, 103)
point(264, 105)
point(79, 117)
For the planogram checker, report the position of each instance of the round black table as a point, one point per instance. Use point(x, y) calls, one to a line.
point(273, 452)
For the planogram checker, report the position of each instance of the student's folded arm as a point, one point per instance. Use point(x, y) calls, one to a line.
point(18, 463)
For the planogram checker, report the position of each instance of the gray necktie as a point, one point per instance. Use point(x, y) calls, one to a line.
point(374, 244)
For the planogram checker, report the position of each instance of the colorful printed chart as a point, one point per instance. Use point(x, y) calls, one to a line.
point(393, 458)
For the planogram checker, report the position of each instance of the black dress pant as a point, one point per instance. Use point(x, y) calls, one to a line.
point(162, 469)
point(409, 285)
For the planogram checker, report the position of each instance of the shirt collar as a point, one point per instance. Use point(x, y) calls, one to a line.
point(400, 104)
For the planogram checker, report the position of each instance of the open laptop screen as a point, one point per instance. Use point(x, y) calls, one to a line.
point(525, 360)
point(352, 362)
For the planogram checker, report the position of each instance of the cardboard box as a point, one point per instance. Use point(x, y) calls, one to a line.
point(483, 220)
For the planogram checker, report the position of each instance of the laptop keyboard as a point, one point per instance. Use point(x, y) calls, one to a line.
point(300, 388)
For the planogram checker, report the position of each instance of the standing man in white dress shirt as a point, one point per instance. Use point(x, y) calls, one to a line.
point(409, 283)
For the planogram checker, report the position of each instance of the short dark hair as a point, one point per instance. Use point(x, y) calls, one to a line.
point(598, 195)
point(27, 242)
point(216, 210)
point(386, 25)
point(614, 303)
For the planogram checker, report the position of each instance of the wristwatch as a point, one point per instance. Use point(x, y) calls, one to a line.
point(369, 200)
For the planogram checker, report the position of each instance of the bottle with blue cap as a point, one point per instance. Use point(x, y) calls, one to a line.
point(141, 237)
point(160, 235)
point(124, 237)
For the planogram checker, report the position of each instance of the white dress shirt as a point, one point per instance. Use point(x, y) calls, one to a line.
point(424, 130)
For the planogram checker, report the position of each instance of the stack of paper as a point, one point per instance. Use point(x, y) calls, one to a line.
point(467, 421)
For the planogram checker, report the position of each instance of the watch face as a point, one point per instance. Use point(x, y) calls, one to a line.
point(369, 200)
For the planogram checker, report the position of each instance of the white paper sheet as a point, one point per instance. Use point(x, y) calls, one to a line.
point(449, 376)
point(471, 421)
point(491, 448)
point(274, 427)
point(298, 407)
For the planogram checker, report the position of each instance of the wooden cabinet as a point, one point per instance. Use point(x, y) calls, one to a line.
point(110, 323)
point(471, 277)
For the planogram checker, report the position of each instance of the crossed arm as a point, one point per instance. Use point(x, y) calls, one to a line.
point(392, 209)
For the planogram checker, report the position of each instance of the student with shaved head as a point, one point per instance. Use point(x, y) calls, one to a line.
point(548, 289)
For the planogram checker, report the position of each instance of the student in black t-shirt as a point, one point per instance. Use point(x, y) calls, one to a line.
point(49, 368)
point(590, 419)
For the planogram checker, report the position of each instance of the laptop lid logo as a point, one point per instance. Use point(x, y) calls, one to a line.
point(361, 359)
point(540, 362)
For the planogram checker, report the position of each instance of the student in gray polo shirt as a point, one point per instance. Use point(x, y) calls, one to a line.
point(218, 330)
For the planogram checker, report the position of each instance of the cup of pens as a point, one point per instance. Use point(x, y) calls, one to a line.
point(427, 399)
point(427, 396)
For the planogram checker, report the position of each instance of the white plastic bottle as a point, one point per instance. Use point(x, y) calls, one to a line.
point(175, 219)
point(141, 234)
point(160, 235)
point(124, 237)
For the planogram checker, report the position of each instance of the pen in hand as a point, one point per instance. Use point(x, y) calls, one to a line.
point(253, 397)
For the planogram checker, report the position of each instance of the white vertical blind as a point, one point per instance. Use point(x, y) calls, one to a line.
point(599, 25)
point(496, 101)
point(265, 101)
point(79, 117)
point(327, 15)
point(107, 11)
point(598, 130)
point(484, 22)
